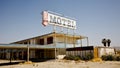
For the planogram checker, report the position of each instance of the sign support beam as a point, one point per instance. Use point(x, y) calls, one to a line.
point(54, 30)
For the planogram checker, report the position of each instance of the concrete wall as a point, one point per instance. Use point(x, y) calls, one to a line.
point(105, 51)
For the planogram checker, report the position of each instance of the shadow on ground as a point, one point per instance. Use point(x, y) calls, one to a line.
point(9, 63)
point(39, 60)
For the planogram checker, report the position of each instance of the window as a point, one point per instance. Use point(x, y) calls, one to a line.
point(49, 40)
point(41, 41)
point(25, 43)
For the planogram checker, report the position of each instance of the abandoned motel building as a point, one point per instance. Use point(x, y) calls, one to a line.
point(51, 45)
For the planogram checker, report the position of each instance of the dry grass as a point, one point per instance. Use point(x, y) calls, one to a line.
point(97, 60)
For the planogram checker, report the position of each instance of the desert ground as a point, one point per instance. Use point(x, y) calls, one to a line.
point(63, 64)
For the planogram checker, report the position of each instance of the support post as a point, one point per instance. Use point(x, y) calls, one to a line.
point(73, 38)
point(10, 55)
point(28, 53)
point(66, 40)
point(81, 42)
point(87, 42)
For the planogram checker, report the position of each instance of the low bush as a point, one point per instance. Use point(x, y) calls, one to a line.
point(70, 57)
point(87, 57)
point(107, 57)
point(110, 58)
point(76, 58)
point(117, 58)
point(104, 57)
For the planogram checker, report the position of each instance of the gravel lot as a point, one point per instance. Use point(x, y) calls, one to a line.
point(64, 64)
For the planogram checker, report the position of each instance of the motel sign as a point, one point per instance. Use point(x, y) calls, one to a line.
point(57, 20)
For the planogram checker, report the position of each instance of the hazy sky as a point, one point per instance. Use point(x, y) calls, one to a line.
point(96, 19)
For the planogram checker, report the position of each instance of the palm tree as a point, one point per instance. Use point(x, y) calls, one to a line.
point(108, 42)
point(104, 42)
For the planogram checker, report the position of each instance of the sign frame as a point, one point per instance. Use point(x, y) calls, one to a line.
point(57, 20)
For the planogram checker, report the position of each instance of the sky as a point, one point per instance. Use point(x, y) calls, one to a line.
point(96, 19)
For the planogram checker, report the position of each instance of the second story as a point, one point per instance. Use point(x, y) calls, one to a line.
point(51, 38)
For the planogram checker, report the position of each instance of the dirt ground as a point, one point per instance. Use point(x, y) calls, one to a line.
point(64, 64)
